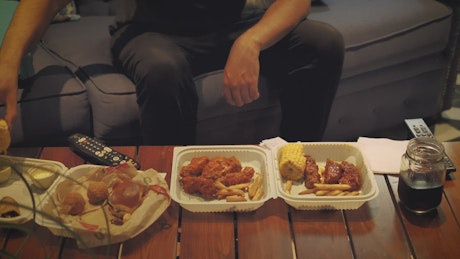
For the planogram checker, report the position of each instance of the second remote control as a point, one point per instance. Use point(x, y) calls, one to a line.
point(418, 128)
point(97, 152)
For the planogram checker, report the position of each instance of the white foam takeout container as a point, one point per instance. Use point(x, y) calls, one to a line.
point(265, 162)
point(21, 188)
point(253, 156)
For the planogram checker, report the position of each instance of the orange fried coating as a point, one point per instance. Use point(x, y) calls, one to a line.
point(218, 167)
point(244, 176)
point(351, 175)
point(199, 185)
point(332, 172)
point(195, 167)
point(312, 175)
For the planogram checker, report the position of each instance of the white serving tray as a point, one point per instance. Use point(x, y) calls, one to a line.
point(265, 161)
point(21, 191)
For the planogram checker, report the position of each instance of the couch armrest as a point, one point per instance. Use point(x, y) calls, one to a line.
point(452, 52)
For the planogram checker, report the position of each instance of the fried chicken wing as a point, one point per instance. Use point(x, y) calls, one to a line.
point(195, 167)
point(218, 167)
point(244, 176)
point(312, 175)
point(332, 172)
point(199, 185)
point(351, 175)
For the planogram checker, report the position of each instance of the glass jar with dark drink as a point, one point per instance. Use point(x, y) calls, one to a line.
point(422, 175)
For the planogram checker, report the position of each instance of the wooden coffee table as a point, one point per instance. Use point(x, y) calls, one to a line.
point(378, 229)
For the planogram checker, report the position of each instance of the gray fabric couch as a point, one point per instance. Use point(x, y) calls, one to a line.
point(400, 62)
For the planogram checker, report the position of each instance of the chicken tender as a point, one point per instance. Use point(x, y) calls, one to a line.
point(218, 167)
point(312, 175)
point(244, 176)
point(351, 175)
point(332, 172)
point(195, 167)
point(199, 185)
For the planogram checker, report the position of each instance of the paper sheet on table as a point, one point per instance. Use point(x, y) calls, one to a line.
point(383, 154)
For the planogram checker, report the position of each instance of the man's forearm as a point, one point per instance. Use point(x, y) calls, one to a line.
point(29, 22)
point(280, 18)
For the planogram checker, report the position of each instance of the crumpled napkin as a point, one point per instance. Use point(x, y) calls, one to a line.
point(273, 143)
point(383, 154)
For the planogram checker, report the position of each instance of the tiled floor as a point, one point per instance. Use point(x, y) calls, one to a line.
point(448, 128)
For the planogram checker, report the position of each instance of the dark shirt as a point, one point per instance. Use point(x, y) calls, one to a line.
point(185, 16)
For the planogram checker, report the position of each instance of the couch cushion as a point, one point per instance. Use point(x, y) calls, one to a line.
point(51, 105)
point(85, 48)
point(383, 33)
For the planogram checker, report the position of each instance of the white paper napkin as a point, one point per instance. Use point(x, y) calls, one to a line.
point(383, 154)
point(273, 143)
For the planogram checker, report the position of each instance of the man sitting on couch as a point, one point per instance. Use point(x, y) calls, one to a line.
point(162, 45)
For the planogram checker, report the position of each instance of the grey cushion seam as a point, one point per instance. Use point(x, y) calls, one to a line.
point(362, 45)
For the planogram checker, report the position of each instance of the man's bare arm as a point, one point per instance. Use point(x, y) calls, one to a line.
point(241, 72)
point(280, 18)
point(29, 23)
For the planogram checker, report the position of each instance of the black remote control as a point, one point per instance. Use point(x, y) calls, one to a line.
point(418, 128)
point(97, 152)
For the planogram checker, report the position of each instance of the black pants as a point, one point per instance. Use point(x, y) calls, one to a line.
point(306, 66)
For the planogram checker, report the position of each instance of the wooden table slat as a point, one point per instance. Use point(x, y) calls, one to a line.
point(160, 239)
point(375, 225)
point(207, 235)
point(267, 225)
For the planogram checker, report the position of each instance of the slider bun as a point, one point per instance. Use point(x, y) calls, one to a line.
point(126, 196)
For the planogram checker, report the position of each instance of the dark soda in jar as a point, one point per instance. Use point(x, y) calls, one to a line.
point(422, 175)
point(419, 199)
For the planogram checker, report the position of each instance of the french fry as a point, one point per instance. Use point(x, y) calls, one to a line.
point(288, 186)
point(220, 185)
point(240, 186)
point(353, 193)
point(254, 185)
point(235, 198)
point(321, 192)
point(334, 193)
point(308, 191)
point(259, 193)
point(229, 192)
point(331, 187)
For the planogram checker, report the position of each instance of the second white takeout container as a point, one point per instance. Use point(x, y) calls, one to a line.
point(265, 162)
point(23, 189)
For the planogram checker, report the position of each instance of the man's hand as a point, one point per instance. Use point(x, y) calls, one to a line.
point(8, 93)
point(241, 73)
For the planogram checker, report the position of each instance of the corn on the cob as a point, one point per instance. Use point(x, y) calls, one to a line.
point(5, 138)
point(292, 161)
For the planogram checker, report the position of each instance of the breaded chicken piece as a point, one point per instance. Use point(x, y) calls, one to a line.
point(195, 167)
point(218, 167)
point(244, 176)
point(332, 172)
point(312, 175)
point(199, 185)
